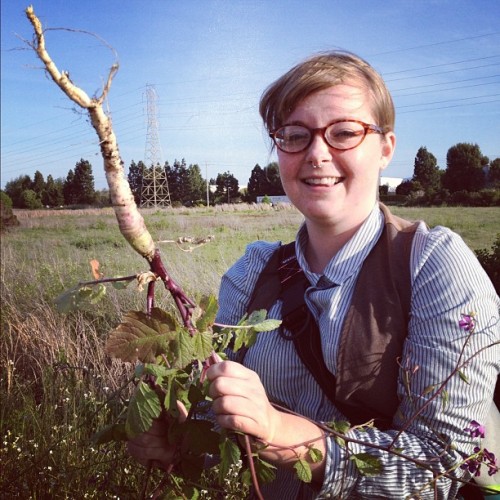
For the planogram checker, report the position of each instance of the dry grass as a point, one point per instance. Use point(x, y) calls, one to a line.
point(55, 379)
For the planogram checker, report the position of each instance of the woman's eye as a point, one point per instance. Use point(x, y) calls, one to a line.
point(297, 137)
point(345, 133)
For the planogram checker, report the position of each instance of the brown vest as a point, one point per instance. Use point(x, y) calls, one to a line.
point(374, 329)
point(376, 326)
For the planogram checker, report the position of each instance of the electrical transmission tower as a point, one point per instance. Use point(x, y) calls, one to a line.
point(154, 191)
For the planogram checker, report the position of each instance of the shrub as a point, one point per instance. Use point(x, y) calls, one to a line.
point(7, 217)
point(30, 200)
point(6, 199)
point(491, 262)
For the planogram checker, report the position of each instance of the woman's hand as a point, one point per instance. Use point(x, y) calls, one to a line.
point(152, 447)
point(240, 402)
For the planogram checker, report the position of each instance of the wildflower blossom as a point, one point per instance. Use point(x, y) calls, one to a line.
point(481, 456)
point(467, 322)
point(476, 429)
point(491, 462)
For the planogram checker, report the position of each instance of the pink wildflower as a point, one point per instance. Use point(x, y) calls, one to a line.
point(476, 429)
point(467, 322)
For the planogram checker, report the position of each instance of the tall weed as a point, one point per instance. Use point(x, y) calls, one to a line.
point(55, 380)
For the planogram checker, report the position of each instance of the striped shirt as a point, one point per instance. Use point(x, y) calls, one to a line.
point(447, 280)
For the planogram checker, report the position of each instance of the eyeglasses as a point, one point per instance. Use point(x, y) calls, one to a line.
point(341, 135)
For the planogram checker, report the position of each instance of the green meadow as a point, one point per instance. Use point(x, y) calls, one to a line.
point(57, 386)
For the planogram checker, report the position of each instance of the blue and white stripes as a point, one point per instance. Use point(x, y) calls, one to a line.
point(447, 280)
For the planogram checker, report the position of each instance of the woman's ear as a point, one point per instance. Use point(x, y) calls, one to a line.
point(387, 151)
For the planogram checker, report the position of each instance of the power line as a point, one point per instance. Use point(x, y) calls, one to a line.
point(440, 65)
point(435, 44)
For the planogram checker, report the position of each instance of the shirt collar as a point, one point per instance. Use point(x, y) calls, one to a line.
point(349, 258)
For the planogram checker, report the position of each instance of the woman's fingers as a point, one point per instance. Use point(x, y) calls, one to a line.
point(152, 447)
point(240, 402)
point(183, 413)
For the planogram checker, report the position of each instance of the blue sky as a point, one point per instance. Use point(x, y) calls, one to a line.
point(210, 60)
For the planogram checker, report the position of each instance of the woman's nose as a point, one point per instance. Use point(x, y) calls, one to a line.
point(319, 150)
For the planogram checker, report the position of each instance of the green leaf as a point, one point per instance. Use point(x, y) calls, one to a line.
point(463, 376)
point(255, 318)
point(201, 438)
point(120, 285)
point(428, 389)
point(183, 349)
point(159, 371)
point(264, 470)
point(224, 339)
point(445, 398)
point(303, 470)
point(210, 306)
point(244, 337)
point(97, 294)
point(239, 340)
point(267, 325)
point(67, 301)
point(250, 337)
point(367, 464)
point(229, 455)
point(139, 370)
point(340, 426)
point(315, 455)
point(202, 345)
point(142, 337)
point(195, 394)
point(79, 297)
point(170, 399)
point(144, 406)
point(110, 433)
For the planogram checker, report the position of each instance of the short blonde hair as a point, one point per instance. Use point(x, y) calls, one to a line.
point(320, 72)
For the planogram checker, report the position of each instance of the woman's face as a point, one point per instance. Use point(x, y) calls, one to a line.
point(342, 191)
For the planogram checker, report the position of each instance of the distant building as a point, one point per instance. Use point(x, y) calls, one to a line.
point(391, 182)
point(274, 199)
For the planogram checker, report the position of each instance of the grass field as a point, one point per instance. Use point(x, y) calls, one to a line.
point(55, 378)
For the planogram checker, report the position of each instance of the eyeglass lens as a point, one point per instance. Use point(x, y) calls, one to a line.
point(339, 135)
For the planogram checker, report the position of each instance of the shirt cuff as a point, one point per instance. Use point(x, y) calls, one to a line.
point(340, 473)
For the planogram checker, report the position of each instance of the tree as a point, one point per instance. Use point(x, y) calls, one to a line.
point(407, 187)
point(83, 183)
point(134, 176)
point(426, 172)
point(53, 195)
point(197, 184)
point(102, 198)
point(186, 184)
point(69, 189)
point(30, 199)
point(464, 168)
point(15, 188)
point(38, 184)
point(272, 175)
point(256, 184)
point(227, 188)
point(494, 173)
point(177, 178)
point(264, 181)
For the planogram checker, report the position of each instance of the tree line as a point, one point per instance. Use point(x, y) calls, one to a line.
point(470, 178)
point(186, 186)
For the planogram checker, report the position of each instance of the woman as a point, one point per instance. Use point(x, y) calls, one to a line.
point(332, 121)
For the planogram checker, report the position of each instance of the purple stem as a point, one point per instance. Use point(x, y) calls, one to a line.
point(183, 303)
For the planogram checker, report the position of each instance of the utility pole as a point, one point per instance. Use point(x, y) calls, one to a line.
point(154, 192)
point(208, 185)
